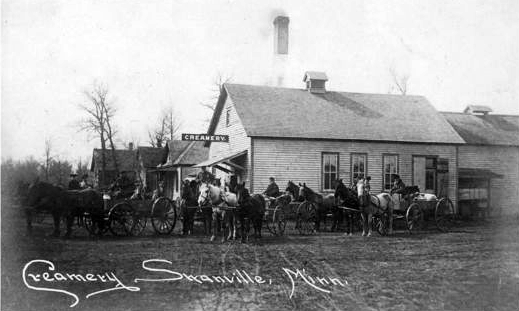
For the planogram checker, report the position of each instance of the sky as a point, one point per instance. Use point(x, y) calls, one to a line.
point(158, 54)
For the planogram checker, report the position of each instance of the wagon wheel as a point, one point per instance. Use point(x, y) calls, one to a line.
point(444, 214)
point(414, 218)
point(163, 216)
point(120, 219)
point(96, 228)
point(382, 224)
point(139, 222)
point(306, 216)
point(276, 222)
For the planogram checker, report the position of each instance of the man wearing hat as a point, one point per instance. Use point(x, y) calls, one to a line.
point(73, 184)
point(398, 185)
point(396, 191)
point(272, 189)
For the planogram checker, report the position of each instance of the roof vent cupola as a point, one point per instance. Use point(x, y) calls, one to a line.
point(315, 81)
point(477, 110)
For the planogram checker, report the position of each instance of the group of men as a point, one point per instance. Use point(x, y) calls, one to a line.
point(75, 184)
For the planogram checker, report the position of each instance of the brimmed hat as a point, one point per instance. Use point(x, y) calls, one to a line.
point(396, 176)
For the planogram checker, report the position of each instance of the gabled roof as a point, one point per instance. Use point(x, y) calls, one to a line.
point(487, 129)
point(126, 159)
point(150, 156)
point(185, 153)
point(296, 113)
point(315, 75)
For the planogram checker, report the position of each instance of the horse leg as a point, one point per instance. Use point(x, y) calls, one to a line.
point(28, 216)
point(191, 214)
point(214, 225)
point(390, 212)
point(70, 222)
point(370, 224)
point(57, 218)
point(364, 223)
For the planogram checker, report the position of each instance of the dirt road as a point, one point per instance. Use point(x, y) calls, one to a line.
point(474, 268)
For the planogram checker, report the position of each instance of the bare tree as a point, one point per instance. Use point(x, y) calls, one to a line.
point(400, 81)
point(99, 114)
point(48, 158)
point(167, 129)
point(217, 88)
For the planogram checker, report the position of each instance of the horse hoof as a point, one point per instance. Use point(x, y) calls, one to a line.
point(369, 234)
point(350, 234)
point(363, 233)
point(212, 238)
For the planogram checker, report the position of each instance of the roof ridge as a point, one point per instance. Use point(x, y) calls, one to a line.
point(184, 152)
point(327, 91)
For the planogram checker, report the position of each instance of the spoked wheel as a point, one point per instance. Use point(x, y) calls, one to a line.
point(306, 216)
point(120, 219)
point(276, 222)
point(382, 224)
point(444, 214)
point(163, 216)
point(97, 227)
point(415, 218)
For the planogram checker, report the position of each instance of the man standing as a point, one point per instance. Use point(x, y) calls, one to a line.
point(396, 191)
point(272, 189)
point(73, 184)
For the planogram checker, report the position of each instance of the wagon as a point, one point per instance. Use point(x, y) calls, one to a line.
point(422, 211)
point(304, 214)
point(129, 217)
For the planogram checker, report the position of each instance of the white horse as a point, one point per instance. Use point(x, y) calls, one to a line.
point(220, 201)
point(379, 203)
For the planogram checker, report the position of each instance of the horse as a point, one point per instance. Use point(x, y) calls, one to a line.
point(325, 204)
point(374, 204)
point(348, 198)
point(67, 204)
point(293, 190)
point(220, 201)
point(251, 208)
point(189, 200)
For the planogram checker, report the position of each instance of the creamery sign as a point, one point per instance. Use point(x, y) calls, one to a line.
point(206, 137)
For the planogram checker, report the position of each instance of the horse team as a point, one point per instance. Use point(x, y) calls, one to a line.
point(221, 211)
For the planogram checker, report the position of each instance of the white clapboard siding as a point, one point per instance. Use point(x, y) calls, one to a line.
point(238, 139)
point(504, 192)
point(300, 161)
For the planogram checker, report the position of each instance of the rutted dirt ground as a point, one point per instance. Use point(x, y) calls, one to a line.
point(476, 267)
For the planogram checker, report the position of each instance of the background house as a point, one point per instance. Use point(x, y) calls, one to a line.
point(126, 161)
point(488, 162)
point(147, 160)
point(179, 157)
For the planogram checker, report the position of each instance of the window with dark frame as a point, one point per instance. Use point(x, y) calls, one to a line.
point(330, 170)
point(390, 168)
point(430, 174)
point(227, 116)
point(358, 165)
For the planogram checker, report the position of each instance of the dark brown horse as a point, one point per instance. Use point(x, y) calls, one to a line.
point(189, 205)
point(251, 208)
point(60, 203)
point(325, 204)
point(348, 198)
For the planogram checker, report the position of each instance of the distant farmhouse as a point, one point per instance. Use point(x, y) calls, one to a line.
point(147, 160)
point(179, 157)
point(126, 161)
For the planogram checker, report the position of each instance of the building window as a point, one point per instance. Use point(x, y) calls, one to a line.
point(227, 116)
point(430, 175)
point(390, 168)
point(330, 170)
point(358, 165)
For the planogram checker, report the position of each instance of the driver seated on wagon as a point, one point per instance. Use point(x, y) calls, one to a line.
point(272, 191)
point(397, 190)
